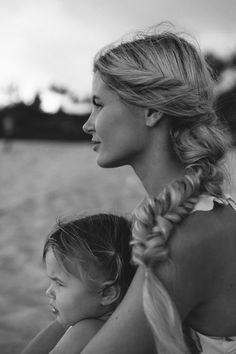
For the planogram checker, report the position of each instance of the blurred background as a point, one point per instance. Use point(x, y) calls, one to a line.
point(47, 166)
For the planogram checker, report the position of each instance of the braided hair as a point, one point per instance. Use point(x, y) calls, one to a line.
point(155, 219)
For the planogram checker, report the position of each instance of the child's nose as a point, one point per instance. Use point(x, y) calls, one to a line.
point(50, 292)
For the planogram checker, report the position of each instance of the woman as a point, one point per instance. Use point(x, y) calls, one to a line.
point(153, 110)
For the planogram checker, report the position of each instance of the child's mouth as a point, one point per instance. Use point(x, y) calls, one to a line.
point(54, 310)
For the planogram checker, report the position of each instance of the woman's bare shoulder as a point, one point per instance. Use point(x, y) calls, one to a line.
point(78, 336)
point(202, 229)
point(195, 248)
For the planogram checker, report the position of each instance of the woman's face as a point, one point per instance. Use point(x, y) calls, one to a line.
point(71, 299)
point(119, 133)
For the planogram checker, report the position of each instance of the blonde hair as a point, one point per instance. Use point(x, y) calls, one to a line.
point(154, 223)
point(163, 71)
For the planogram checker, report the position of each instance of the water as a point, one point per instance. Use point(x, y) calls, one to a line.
point(38, 182)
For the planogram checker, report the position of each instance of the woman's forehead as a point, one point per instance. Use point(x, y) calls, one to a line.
point(98, 85)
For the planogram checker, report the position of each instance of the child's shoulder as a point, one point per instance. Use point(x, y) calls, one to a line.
point(89, 325)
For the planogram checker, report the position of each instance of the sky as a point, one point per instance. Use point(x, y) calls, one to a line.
point(45, 42)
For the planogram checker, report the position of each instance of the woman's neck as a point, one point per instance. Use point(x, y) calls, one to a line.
point(155, 172)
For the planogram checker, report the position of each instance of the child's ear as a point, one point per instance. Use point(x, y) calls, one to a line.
point(110, 294)
point(152, 117)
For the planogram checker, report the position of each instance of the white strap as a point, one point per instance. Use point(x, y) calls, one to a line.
point(206, 202)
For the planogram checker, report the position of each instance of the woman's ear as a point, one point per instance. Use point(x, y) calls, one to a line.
point(152, 117)
point(110, 294)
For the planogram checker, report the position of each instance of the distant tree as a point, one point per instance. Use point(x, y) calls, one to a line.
point(232, 60)
point(64, 91)
point(74, 98)
point(36, 104)
point(59, 89)
point(217, 64)
point(7, 131)
point(226, 109)
point(12, 93)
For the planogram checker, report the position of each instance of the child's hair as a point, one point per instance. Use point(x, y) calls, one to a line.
point(100, 240)
point(167, 73)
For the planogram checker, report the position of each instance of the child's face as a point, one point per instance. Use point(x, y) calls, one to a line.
point(71, 299)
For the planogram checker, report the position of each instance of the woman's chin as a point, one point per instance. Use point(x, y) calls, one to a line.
point(103, 162)
point(107, 163)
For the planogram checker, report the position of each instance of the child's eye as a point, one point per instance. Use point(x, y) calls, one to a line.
point(58, 283)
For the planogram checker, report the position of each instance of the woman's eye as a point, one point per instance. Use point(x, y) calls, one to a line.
point(96, 104)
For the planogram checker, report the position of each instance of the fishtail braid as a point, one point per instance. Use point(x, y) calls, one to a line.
point(155, 219)
point(201, 144)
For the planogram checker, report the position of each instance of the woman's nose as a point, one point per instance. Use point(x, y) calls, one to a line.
point(50, 293)
point(88, 126)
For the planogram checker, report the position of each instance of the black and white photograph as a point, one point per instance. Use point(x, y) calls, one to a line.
point(118, 177)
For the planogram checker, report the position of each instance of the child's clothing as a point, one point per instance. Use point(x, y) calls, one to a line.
point(205, 344)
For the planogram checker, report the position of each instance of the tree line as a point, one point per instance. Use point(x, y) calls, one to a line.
point(29, 121)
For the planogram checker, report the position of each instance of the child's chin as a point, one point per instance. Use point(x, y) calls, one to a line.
point(65, 323)
point(62, 322)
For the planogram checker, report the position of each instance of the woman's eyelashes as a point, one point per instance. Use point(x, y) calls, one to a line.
point(96, 103)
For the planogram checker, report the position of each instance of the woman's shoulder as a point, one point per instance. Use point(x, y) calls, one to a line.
point(205, 228)
point(205, 240)
point(89, 324)
point(78, 336)
point(197, 248)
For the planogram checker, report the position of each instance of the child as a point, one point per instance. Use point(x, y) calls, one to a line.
point(88, 264)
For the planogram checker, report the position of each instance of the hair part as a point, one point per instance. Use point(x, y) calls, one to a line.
point(155, 220)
